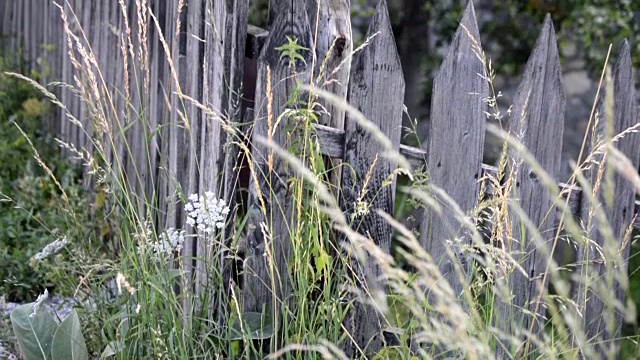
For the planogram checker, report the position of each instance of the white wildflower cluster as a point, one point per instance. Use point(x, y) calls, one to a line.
point(170, 241)
point(51, 249)
point(206, 213)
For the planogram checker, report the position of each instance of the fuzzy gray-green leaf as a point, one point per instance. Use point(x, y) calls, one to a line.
point(68, 342)
point(34, 333)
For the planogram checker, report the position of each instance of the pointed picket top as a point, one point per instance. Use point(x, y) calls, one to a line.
point(541, 91)
point(457, 117)
point(376, 89)
point(624, 93)
point(382, 53)
point(618, 206)
point(466, 40)
point(623, 85)
point(538, 122)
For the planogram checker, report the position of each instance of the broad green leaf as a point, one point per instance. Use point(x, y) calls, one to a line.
point(34, 334)
point(255, 325)
point(322, 259)
point(113, 348)
point(68, 342)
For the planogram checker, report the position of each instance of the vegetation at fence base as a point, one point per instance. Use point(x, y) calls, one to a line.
point(319, 265)
point(31, 215)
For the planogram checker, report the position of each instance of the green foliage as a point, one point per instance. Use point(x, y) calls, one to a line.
point(511, 31)
point(31, 214)
point(600, 23)
point(41, 337)
point(292, 50)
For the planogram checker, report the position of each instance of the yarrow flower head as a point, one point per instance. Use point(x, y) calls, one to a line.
point(170, 241)
point(206, 213)
point(51, 249)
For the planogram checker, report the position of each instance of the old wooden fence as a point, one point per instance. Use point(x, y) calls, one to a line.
point(215, 56)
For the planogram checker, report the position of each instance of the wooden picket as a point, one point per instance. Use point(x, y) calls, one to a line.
point(538, 123)
point(602, 317)
point(376, 75)
point(461, 80)
point(270, 248)
point(166, 146)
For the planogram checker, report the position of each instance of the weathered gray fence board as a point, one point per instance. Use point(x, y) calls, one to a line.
point(77, 132)
point(137, 169)
point(331, 27)
point(65, 93)
point(538, 123)
point(223, 63)
point(113, 49)
point(120, 91)
point(456, 153)
point(17, 28)
point(192, 87)
point(87, 26)
point(155, 111)
point(166, 203)
point(25, 31)
point(105, 56)
point(7, 18)
point(376, 88)
point(185, 137)
point(174, 150)
point(602, 323)
point(35, 21)
point(236, 14)
point(287, 19)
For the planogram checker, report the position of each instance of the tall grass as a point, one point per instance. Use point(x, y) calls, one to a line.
point(154, 314)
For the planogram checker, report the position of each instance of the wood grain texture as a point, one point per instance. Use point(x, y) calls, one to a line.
point(177, 148)
point(595, 295)
point(89, 28)
point(538, 123)
point(225, 37)
point(330, 22)
point(166, 179)
point(76, 103)
point(155, 110)
point(331, 27)
point(117, 71)
point(137, 169)
point(454, 156)
point(190, 137)
point(65, 79)
point(17, 27)
point(288, 19)
point(376, 89)
point(7, 18)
